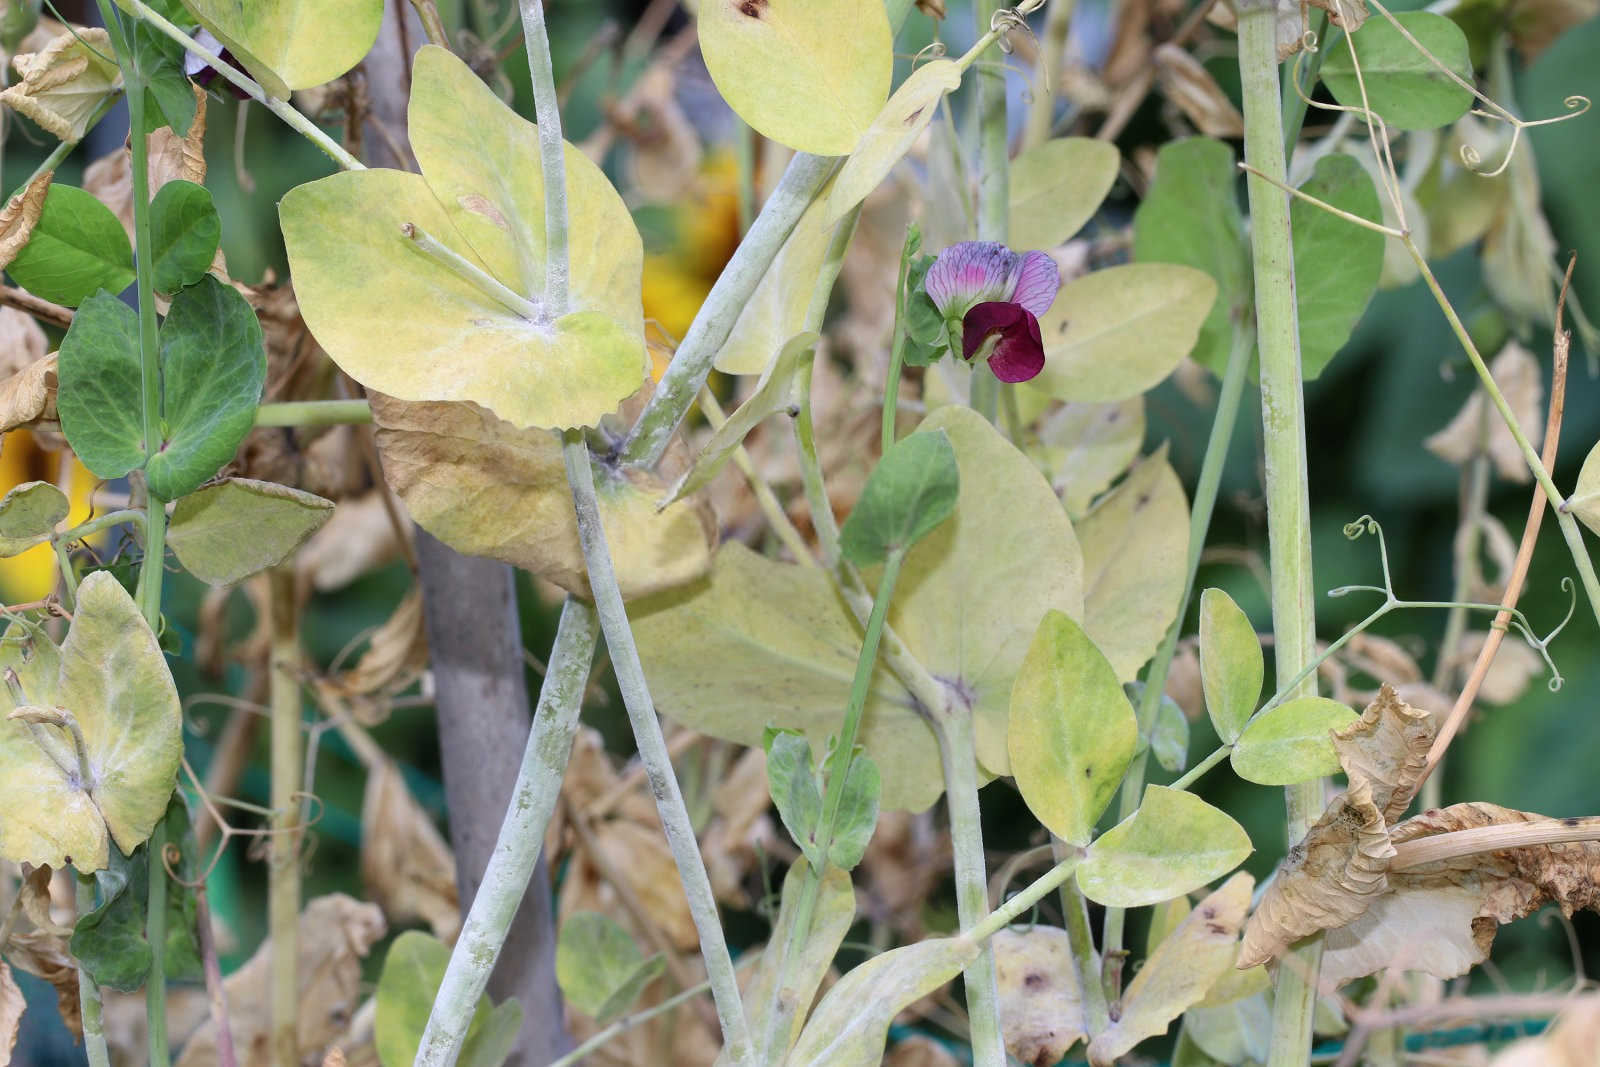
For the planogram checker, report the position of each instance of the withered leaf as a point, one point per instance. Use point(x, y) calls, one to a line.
point(1348, 15)
point(396, 656)
point(1513, 667)
point(45, 955)
point(19, 215)
point(63, 85)
point(1386, 750)
point(11, 1008)
point(29, 396)
point(1041, 1002)
point(487, 488)
point(1571, 1042)
point(1196, 93)
point(1478, 428)
point(170, 158)
point(406, 867)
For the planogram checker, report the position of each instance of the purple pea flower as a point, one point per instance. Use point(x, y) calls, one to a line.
point(997, 295)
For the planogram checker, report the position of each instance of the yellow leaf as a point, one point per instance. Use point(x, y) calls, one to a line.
point(293, 44)
point(892, 134)
point(65, 84)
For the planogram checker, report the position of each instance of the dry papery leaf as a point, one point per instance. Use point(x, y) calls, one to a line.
point(906, 860)
point(406, 866)
point(1291, 26)
point(1571, 1042)
point(1196, 93)
point(1514, 666)
point(1183, 681)
point(1439, 917)
point(44, 955)
point(665, 151)
point(64, 83)
point(638, 857)
point(361, 537)
point(28, 391)
point(741, 831)
point(11, 1008)
point(20, 214)
point(35, 897)
point(1478, 428)
point(110, 178)
point(336, 933)
point(396, 656)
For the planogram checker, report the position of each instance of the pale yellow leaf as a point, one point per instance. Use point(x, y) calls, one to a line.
point(1041, 1003)
point(64, 85)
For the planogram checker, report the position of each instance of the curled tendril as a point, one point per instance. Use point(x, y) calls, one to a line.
point(1571, 589)
point(1575, 105)
point(1364, 525)
point(931, 50)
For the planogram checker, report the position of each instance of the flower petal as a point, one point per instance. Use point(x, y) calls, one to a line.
point(1009, 333)
point(969, 273)
point(1038, 279)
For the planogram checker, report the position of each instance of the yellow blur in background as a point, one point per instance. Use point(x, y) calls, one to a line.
point(32, 575)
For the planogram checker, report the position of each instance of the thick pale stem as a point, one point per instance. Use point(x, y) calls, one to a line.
point(1283, 425)
point(1019, 905)
point(1075, 910)
point(94, 1034)
point(516, 850)
point(956, 750)
point(283, 870)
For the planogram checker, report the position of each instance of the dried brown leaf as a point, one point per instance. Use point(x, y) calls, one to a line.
point(1328, 879)
point(1291, 24)
point(19, 215)
point(110, 178)
point(1515, 665)
point(487, 488)
point(1348, 15)
point(1386, 750)
point(1196, 93)
point(639, 857)
point(666, 151)
point(1478, 428)
point(44, 955)
point(359, 538)
point(336, 933)
point(35, 897)
point(396, 656)
point(406, 866)
point(28, 397)
point(1041, 1002)
point(740, 831)
point(22, 341)
point(63, 85)
point(11, 1008)
point(907, 858)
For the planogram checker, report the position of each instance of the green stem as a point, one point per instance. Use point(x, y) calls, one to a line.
point(516, 850)
point(1023, 902)
point(283, 864)
point(779, 1015)
point(957, 746)
point(607, 595)
point(1294, 103)
point(897, 352)
point(91, 1009)
point(1195, 773)
point(308, 413)
point(1075, 910)
point(86, 530)
point(1205, 501)
point(155, 932)
point(296, 121)
point(1283, 423)
point(994, 185)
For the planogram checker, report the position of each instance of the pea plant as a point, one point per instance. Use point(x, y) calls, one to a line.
point(926, 557)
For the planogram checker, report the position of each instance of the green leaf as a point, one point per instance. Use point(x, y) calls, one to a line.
point(891, 134)
point(1073, 732)
point(972, 592)
point(793, 783)
point(910, 492)
point(28, 516)
point(226, 532)
point(110, 941)
point(99, 387)
point(111, 676)
point(402, 323)
point(412, 973)
point(1180, 972)
point(1135, 563)
point(809, 74)
point(599, 968)
point(858, 813)
point(1289, 743)
point(1191, 217)
point(1585, 499)
point(213, 367)
point(1117, 332)
point(776, 391)
point(786, 650)
point(1169, 739)
point(1175, 843)
point(171, 99)
point(1402, 85)
point(1337, 263)
point(76, 247)
point(293, 44)
point(1057, 186)
point(1231, 668)
point(851, 1024)
point(184, 234)
point(831, 917)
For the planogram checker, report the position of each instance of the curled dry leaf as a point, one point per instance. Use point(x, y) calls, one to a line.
point(336, 933)
point(45, 955)
point(11, 1008)
point(1386, 750)
point(907, 859)
point(1478, 428)
point(35, 897)
point(359, 538)
point(396, 656)
point(740, 831)
point(64, 84)
point(1348, 15)
point(487, 488)
point(1041, 1003)
point(637, 855)
point(406, 867)
point(1196, 93)
point(19, 215)
point(28, 397)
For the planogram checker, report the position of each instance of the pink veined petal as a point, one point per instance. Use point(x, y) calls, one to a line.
point(1017, 350)
point(968, 273)
point(1038, 279)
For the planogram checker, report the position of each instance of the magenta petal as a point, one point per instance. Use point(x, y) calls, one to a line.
point(1037, 282)
point(1016, 353)
point(969, 273)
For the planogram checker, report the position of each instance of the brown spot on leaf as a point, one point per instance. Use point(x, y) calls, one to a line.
point(753, 8)
point(1034, 980)
point(479, 205)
